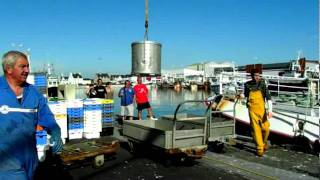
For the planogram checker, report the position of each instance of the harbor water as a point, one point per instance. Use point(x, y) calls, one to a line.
point(163, 101)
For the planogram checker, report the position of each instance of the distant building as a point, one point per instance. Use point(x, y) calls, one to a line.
point(293, 68)
point(63, 79)
point(88, 81)
point(118, 79)
point(206, 71)
point(75, 78)
point(213, 69)
point(53, 81)
point(103, 76)
point(173, 75)
point(196, 66)
point(185, 74)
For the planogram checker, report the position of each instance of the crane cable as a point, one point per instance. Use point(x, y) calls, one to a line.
point(146, 25)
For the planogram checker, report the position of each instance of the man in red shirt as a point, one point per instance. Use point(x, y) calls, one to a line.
point(141, 93)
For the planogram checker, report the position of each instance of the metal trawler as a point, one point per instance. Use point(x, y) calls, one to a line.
point(295, 114)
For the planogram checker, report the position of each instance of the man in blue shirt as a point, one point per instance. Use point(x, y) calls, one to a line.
point(22, 107)
point(127, 98)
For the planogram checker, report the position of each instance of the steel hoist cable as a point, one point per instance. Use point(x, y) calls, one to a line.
point(146, 24)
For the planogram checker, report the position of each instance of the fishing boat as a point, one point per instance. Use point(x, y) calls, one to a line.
point(295, 116)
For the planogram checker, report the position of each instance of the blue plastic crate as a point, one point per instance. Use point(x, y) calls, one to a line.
point(107, 120)
point(75, 115)
point(75, 126)
point(40, 82)
point(93, 106)
point(107, 111)
point(75, 112)
point(74, 109)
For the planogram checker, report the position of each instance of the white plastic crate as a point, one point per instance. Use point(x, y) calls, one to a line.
point(91, 135)
point(75, 103)
point(77, 135)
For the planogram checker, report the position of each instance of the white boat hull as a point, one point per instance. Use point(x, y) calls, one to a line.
point(282, 123)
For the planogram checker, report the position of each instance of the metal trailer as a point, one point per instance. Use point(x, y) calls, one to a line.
point(221, 130)
point(183, 134)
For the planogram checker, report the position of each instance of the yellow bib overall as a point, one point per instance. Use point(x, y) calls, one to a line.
point(258, 120)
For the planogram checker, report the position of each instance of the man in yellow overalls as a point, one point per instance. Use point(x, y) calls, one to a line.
point(256, 92)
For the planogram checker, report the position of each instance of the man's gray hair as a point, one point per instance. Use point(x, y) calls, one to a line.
point(10, 58)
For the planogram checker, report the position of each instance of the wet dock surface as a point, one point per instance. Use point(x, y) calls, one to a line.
point(234, 162)
point(277, 163)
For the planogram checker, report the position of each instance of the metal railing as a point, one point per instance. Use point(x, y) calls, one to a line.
point(175, 119)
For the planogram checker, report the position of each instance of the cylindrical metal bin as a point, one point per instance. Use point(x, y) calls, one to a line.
point(146, 58)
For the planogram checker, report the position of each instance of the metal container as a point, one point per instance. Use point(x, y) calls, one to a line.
point(146, 58)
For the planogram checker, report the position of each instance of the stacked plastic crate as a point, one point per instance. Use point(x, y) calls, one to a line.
point(75, 118)
point(59, 109)
point(92, 118)
point(40, 81)
point(107, 113)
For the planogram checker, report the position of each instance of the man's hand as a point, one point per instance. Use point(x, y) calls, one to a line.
point(57, 145)
point(240, 96)
point(269, 115)
point(56, 141)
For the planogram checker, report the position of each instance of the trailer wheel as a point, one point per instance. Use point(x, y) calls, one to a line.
point(98, 161)
point(316, 147)
point(303, 144)
point(216, 146)
point(131, 146)
point(167, 162)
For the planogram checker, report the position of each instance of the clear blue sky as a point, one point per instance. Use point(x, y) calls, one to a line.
point(95, 36)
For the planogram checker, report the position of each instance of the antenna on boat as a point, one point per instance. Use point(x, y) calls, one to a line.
point(296, 65)
point(300, 54)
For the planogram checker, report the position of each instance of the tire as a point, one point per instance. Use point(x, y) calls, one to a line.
point(302, 143)
point(316, 147)
point(216, 146)
point(98, 161)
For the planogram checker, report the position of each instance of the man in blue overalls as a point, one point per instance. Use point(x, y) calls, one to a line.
point(22, 107)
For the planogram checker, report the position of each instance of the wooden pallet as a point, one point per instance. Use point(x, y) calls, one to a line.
point(89, 149)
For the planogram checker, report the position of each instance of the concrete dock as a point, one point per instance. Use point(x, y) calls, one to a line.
point(234, 162)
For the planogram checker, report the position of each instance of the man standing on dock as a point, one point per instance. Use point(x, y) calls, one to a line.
point(22, 108)
point(256, 92)
point(91, 92)
point(109, 90)
point(126, 94)
point(100, 89)
point(141, 92)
